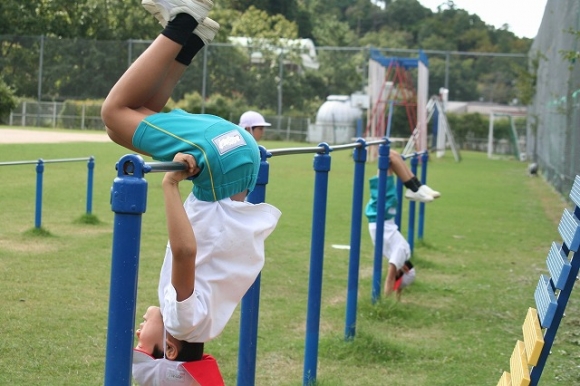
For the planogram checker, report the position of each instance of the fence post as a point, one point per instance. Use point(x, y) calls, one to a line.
point(54, 107)
point(412, 206)
point(360, 158)
point(90, 173)
point(83, 111)
point(383, 163)
point(321, 168)
point(399, 215)
point(128, 201)
point(421, 225)
point(39, 175)
point(248, 341)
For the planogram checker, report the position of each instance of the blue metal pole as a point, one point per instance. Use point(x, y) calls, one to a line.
point(383, 164)
point(411, 226)
point(359, 123)
point(421, 225)
point(39, 175)
point(321, 168)
point(90, 173)
point(248, 342)
point(128, 201)
point(360, 158)
point(398, 216)
point(435, 119)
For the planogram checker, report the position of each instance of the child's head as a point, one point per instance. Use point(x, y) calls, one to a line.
point(405, 276)
point(150, 340)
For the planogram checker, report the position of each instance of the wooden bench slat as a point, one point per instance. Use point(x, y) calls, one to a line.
point(505, 380)
point(558, 265)
point(533, 338)
point(520, 373)
point(569, 229)
point(546, 303)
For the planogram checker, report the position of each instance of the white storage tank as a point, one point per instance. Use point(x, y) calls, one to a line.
point(336, 121)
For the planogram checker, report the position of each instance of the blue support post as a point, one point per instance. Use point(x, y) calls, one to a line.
point(435, 127)
point(359, 128)
point(128, 201)
point(248, 342)
point(421, 224)
point(411, 226)
point(383, 164)
point(321, 168)
point(39, 176)
point(400, 197)
point(360, 158)
point(90, 173)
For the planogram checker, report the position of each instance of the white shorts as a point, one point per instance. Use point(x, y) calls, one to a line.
point(395, 246)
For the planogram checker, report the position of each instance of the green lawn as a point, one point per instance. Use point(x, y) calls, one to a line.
point(486, 240)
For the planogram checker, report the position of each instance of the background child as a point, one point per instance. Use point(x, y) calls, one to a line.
point(395, 246)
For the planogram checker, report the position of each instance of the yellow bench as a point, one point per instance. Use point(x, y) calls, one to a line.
point(533, 338)
point(519, 371)
point(505, 380)
point(525, 353)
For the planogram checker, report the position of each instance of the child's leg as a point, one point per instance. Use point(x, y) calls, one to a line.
point(125, 107)
point(148, 82)
point(399, 166)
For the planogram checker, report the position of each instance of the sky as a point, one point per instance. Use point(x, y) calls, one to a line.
point(524, 17)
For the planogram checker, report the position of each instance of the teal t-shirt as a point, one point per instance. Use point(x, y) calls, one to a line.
point(227, 155)
point(390, 199)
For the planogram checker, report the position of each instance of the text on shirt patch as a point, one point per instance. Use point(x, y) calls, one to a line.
point(174, 375)
point(228, 141)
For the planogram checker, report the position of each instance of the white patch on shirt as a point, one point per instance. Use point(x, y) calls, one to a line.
point(175, 375)
point(228, 141)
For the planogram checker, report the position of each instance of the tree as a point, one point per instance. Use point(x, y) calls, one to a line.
point(7, 100)
point(255, 23)
point(289, 9)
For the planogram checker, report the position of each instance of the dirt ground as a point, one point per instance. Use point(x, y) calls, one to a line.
point(47, 136)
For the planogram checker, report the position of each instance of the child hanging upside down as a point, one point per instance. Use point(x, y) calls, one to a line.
point(400, 271)
point(216, 239)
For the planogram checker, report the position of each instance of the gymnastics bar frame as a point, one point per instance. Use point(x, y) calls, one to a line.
point(129, 201)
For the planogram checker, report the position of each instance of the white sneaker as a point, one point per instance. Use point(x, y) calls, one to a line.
point(420, 195)
point(207, 30)
point(431, 192)
point(159, 12)
point(166, 10)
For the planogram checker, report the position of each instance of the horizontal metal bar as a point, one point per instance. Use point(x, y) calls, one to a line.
point(320, 149)
point(415, 154)
point(346, 146)
point(163, 166)
point(296, 150)
point(376, 142)
point(175, 166)
point(48, 161)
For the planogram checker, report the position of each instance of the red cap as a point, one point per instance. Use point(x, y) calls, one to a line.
point(205, 371)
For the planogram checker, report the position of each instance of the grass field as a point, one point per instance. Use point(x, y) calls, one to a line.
point(485, 246)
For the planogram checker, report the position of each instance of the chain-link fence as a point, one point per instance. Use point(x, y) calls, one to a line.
point(554, 117)
point(70, 78)
point(280, 79)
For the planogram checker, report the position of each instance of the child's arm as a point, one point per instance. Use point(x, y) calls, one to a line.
point(390, 280)
point(181, 236)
